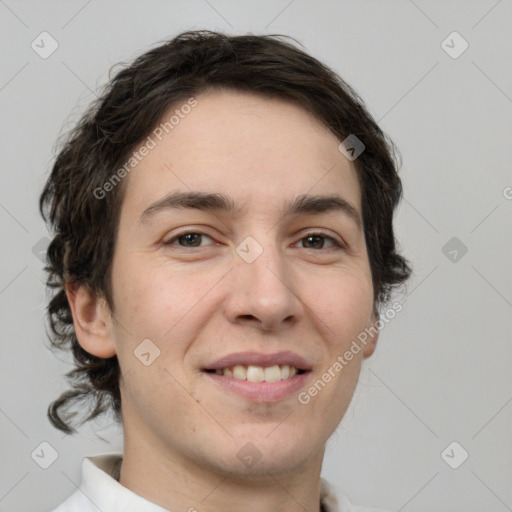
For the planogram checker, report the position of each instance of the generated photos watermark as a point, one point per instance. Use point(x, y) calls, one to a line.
point(342, 360)
point(150, 143)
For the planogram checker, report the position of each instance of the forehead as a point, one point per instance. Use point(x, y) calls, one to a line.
point(261, 151)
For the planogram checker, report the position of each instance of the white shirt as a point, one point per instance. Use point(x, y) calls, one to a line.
point(100, 491)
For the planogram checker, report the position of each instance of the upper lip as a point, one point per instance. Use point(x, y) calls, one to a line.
point(258, 359)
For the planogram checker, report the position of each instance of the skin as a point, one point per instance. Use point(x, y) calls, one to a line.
point(196, 304)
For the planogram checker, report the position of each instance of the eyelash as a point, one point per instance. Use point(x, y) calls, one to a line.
point(337, 245)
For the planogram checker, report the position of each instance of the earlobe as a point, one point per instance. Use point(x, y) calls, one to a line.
point(373, 335)
point(91, 321)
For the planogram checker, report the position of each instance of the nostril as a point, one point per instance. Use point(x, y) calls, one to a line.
point(247, 317)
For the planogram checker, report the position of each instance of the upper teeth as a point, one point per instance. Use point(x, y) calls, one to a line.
point(259, 373)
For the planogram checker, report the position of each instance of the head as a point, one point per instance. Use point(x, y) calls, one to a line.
point(251, 124)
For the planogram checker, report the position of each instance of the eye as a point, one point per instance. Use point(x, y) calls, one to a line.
point(316, 241)
point(193, 239)
point(187, 239)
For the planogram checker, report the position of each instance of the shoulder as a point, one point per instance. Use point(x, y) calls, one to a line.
point(97, 485)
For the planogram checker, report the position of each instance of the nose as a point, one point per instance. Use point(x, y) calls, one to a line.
point(262, 292)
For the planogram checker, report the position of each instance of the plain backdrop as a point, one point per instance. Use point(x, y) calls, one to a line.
point(441, 373)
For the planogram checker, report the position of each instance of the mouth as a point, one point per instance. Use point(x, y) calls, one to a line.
point(253, 373)
point(262, 382)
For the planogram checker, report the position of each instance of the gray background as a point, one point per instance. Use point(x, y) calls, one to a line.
point(441, 372)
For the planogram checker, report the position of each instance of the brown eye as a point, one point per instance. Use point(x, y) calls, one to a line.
point(317, 241)
point(188, 239)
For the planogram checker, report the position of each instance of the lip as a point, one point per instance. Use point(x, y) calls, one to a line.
point(261, 391)
point(258, 359)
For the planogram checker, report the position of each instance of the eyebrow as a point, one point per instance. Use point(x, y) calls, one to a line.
point(218, 202)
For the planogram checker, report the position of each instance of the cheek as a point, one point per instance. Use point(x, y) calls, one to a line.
point(151, 299)
point(344, 303)
point(153, 305)
point(342, 308)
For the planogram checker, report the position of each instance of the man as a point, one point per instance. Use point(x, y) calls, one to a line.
point(223, 243)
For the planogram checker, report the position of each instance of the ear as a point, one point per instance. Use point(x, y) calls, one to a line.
point(373, 335)
point(92, 321)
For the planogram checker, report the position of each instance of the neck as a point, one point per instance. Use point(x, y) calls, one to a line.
point(176, 482)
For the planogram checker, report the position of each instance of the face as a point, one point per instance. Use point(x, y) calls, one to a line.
point(205, 284)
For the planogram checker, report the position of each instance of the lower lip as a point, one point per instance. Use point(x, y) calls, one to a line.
point(262, 391)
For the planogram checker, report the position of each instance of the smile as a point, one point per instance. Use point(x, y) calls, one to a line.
point(251, 382)
point(253, 373)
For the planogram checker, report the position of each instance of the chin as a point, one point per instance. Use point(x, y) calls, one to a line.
point(275, 450)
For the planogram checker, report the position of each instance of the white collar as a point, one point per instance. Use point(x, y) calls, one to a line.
point(99, 490)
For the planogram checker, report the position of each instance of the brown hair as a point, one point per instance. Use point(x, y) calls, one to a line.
point(125, 114)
